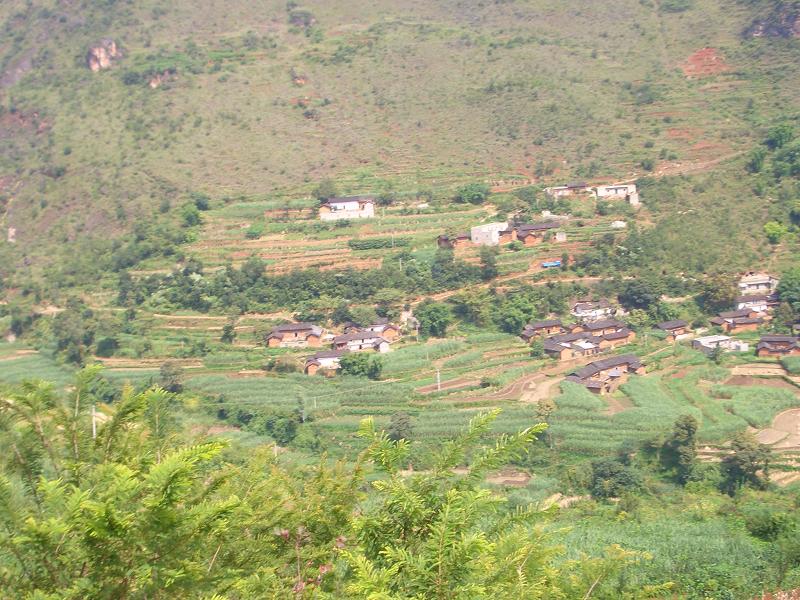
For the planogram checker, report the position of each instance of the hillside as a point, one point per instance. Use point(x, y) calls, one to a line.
point(410, 96)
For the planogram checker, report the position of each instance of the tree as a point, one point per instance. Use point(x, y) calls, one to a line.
point(488, 258)
point(747, 464)
point(775, 231)
point(789, 288)
point(719, 292)
point(537, 348)
point(325, 189)
point(641, 293)
point(171, 377)
point(361, 364)
point(400, 427)
point(779, 136)
point(679, 452)
point(190, 215)
point(755, 161)
point(433, 317)
point(229, 331)
point(472, 193)
point(611, 479)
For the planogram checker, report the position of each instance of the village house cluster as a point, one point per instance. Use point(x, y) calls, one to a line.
point(597, 330)
point(614, 191)
point(376, 337)
point(494, 234)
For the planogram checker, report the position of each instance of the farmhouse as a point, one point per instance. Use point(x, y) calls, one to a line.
point(295, 335)
point(709, 343)
point(753, 283)
point(532, 234)
point(382, 327)
point(737, 321)
point(361, 340)
point(613, 339)
point(757, 303)
point(676, 330)
point(351, 207)
point(778, 345)
point(537, 328)
point(625, 191)
point(326, 361)
point(456, 241)
point(488, 234)
point(592, 311)
point(600, 327)
point(570, 189)
point(571, 345)
point(605, 376)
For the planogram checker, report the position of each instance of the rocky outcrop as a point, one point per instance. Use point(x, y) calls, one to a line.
point(157, 79)
point(783, 21)
point(102, 55)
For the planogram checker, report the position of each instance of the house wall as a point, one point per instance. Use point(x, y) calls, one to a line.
point(349, 210)
point(312, 369)
point(736, 328)
point(532, 239)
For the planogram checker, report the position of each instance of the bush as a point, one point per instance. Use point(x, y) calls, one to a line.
point(473, 193)
point(255, 231)
point(375, 243)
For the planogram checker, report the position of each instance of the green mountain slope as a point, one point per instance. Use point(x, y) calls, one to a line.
point(419, 94)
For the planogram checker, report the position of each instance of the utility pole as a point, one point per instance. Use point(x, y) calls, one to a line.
point(94, 422)
point(438, 380)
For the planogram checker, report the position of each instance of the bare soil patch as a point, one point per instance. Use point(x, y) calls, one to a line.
point(704, 63)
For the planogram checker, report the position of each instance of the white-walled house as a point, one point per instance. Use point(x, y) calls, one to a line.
point(488, 234)
point(753, 284)
point(359, 341)
point(353, 207)
point(592, 311)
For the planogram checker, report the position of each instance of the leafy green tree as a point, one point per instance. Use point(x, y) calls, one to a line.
point(400, 427)
point(433, 317)
point(472, 193)
point(611, 478)
point(746, 465)
point(361, 364)
point(170, 376)
point(755, 160)
point(775, 231)
point(789, 288)
point(325, 189)
point(488, 257)
point(190, 215)
point(679, 451)
point(719, 292)
point(228, 332)
point(779, 136)
point(641, 293)
point(537, 348)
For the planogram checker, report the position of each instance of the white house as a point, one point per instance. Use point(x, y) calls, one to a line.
point(761, 303)
point(488, 234)
point(361, 340)
point(592, 311)
point(753, 284)
point(618, 224)
point(709, 343)
point(327, 360)
point(352, 207)
point(616, 190)
point(571, 189)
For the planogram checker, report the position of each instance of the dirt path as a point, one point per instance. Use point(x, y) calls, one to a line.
point(616, 405)
point(17, 355)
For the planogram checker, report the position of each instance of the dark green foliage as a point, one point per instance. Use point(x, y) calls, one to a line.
point(228, 332)
point(789, 288)
point(488, 258)
point(171, 377)
point(361, 364)
point(641, 293)
point(325, 189)
point(281, 426)
point(433, 317)
point(779, 136)
point(755, 161)
point(679, 452)
point(400, 427)
point(472, 193)
point(375, 243)
point(611, 479)
point(107, 346)
point(747, 465)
